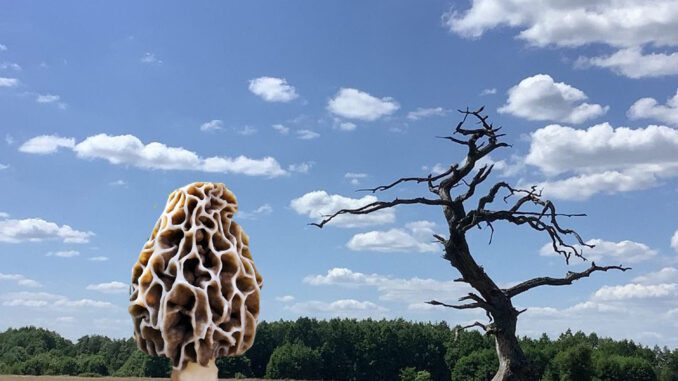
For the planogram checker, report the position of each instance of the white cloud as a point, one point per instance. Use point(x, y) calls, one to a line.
point(82, 303)
point(37, 229)
point(632, 63)
point(303, 167)
point(345, 126)
point(109, 288)
point(3, 215)
point(3, 166)
point(285, 298)
point(637, 291)
point(307, 134)
point(129, 150)
point(98, 259)
point(617, 23)
point(281, 129)
point(247, 131)
point(541, 98)
point(47, 98)
point(118, 183)
point(421, 113)
point(619, 311)
point(416, 237)
point(354, 177)
point(263, 210)
point(63, 254)
point(46, 144)
point(491, 91)
point(10, 65)
point(44, 299)
point(150, 58)
point(340, 307)
point(3, 48)
point(392, 289)
point(355, 104)
point(273, 89)
point(603, 159)
point(20, 280)
point(610, 252)
point(650, 108)
point(8, 82)
point(665, 275)
point(212, 125)
point(674, 241)
point(318, 204)
point(626, 25)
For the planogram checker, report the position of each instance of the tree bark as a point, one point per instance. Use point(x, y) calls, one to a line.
point(513, 365)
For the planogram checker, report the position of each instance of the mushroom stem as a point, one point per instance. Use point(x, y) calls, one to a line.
point(196, 372)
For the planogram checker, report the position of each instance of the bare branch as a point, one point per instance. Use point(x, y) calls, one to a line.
point(378, 205)
point(568, 279)
point(455, 306)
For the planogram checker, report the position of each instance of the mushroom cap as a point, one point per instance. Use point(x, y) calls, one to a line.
point(195, 288)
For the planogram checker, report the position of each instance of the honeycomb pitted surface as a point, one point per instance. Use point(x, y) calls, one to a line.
point(195, 289)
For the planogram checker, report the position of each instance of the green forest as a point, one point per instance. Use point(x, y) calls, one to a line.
point(347, 349)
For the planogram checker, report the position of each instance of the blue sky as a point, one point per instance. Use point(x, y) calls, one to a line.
point(106, 108)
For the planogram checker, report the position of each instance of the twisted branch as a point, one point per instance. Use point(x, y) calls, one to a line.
point(568, 279)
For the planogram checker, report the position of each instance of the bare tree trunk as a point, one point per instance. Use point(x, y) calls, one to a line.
point(513, 364)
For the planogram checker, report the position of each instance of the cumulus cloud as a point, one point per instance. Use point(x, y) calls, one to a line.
point(618, 23)
point(212, 125)
point(282, 130)
point(302, 167)
point(402, 290)
point(8, 82)
point(620, 311)
point(342, 307)
point(110, 287)
point(541, 98)
point(633, 63)
point(307, 134)
point(355, 104)
point(37, 230)
point(345, 126)
point(603, 159)
point(20, 280)
point(318, 204)
point(416, 237)
point(491, 91)
point(130, 150)
point(637, 291)
point(625, 25)
point(665, 275)
point(421, 113)
point(645, 108)
point(46, 144)
point(44, 299)
point(272, 89)
point(674, 241)
point(610, 252)
point(285, 298)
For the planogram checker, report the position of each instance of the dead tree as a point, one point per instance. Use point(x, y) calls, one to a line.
point(454, 191)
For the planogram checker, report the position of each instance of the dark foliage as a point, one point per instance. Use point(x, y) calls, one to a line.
point(345, 349)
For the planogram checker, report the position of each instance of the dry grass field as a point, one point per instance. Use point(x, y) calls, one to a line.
point(69, 378)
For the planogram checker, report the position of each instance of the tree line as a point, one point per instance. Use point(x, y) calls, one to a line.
point(347, 349)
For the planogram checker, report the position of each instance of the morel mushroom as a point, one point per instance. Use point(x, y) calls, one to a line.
point(195, 289)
